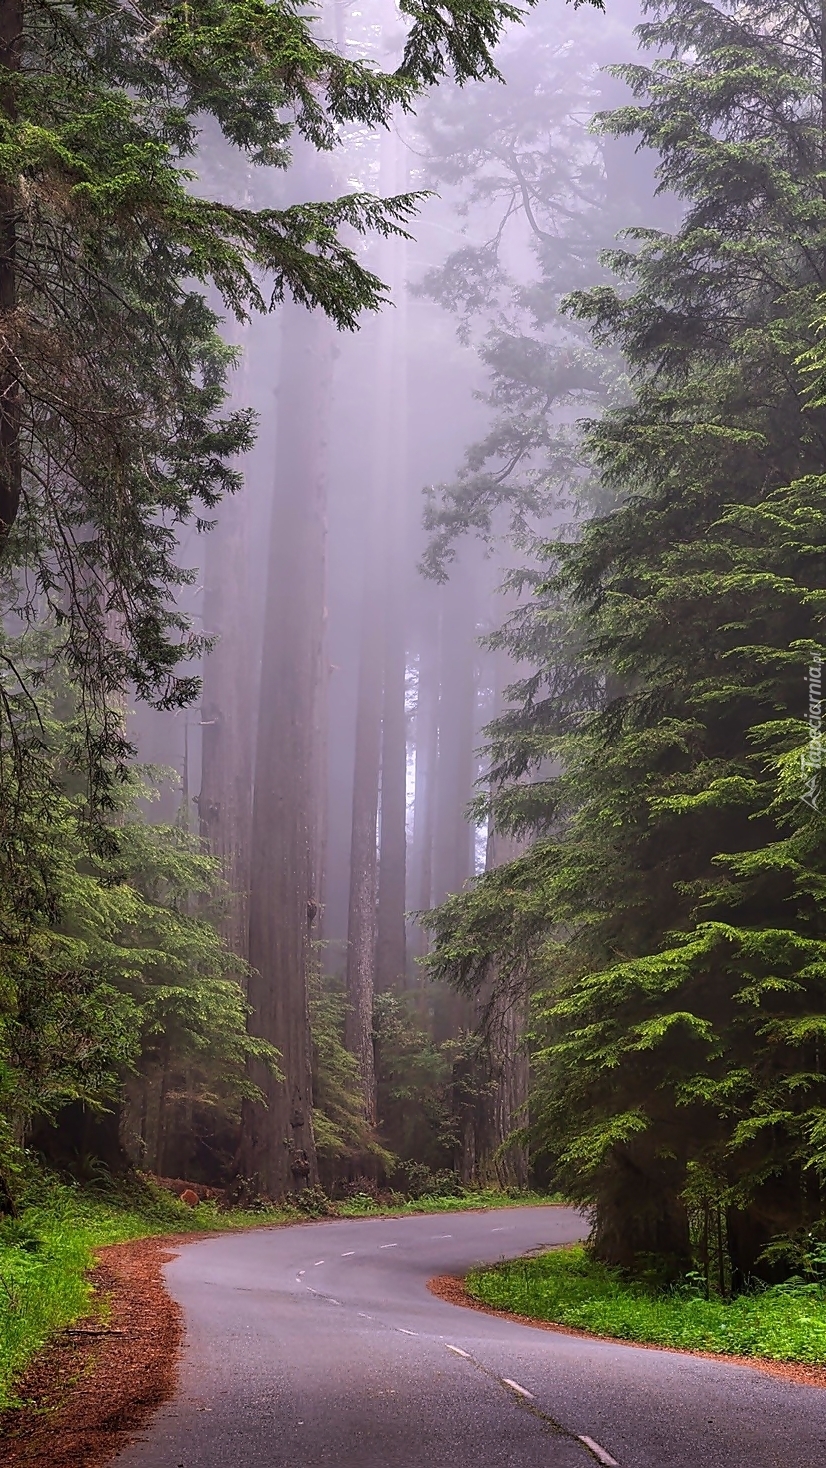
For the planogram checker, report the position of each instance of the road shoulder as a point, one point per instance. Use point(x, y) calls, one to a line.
point(101, 1380)
point(451, 1288)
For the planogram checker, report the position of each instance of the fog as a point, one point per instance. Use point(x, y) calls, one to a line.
point(386, 526)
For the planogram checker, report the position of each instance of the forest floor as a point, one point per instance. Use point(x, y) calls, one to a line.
point(50, 1258)
point(781, 1327)
point(96, 1382)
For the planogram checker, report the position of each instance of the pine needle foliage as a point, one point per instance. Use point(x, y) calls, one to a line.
point(109, 971)
point(672, 923)
point(113, 430)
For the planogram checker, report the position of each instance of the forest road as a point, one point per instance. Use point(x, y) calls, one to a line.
point(321, 1345)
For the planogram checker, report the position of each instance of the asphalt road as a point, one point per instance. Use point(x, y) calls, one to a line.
point(320, 1345)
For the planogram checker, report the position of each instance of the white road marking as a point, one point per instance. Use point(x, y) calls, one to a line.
point(457, 1352)
point(388, 1246)
point(362, 1316)
point(514, 1386)
point(347, 1253)
point(300, 1272)
point(441, 1236)
point(406, 1332)
point(318, 1261)
point(599, 1453)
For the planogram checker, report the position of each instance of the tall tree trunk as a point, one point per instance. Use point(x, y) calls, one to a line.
point(277, 1139)
point(454, 835)
point(427, 756)
point(391, 939)
point(505, 1103)
point(391, 955)
point(361, 920)
point(377, 655)
point(362, 916)
point(11, 41)
point(225, 801)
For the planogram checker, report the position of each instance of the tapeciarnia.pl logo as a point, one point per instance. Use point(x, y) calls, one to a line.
point(811, 758)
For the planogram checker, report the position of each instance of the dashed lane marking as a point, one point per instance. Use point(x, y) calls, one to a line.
point(441, 1236)
point(388, 1246)
point(319, 1295)
point(525, 1401)
point(406, 1332)
point(514, 1386)
point(318, 1261)
point(347, 1253)
point(599, 1453)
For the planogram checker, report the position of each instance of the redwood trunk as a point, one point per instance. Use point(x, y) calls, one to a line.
point(361, 922)
point(454, 835)
point(361, 917)
point(225, 801)
point(277, 1142)
point(427, 756)
point(391, 957)
point(11, 39)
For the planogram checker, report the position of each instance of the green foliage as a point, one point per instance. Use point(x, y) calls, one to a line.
point(112, 370)
point(544, 197)
point(669, 918)
point(413, 1086)
point(569, 1288)
point(46, 1253)
point(418, 1181)
point(343, 1136)
point(113, 972)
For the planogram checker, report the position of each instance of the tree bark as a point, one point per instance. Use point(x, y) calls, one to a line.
point(454, 834)
point(379, 655)
point(277, 1139)
point(391, 957)
point(641, 1213)
point(225, 801)
point(427, 756)
point(361, 920)
point(11, 42)
point(362, 916)
point(391, 939)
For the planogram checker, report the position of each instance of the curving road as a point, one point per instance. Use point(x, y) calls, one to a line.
point(320, 1345)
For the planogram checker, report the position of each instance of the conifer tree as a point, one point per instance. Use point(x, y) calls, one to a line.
point(671, 912)
point(112, 430)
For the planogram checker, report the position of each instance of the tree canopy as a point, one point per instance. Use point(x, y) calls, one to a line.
point(669, 914)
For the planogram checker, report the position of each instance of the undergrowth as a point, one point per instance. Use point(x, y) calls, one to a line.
point(46, 1252)
point(779, 1323)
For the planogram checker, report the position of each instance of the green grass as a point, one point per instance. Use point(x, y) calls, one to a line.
point(45, 1255)
point(363, 1206)
point(781, 1323)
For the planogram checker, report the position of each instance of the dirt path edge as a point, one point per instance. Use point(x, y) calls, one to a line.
point(100, 1380)
point(453, 1289)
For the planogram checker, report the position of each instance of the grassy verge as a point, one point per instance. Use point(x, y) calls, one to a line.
point(46, 1253)
point(363, 1207)
point(782, 1323)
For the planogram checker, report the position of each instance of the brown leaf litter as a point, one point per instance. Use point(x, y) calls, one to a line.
point(452, 1289)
